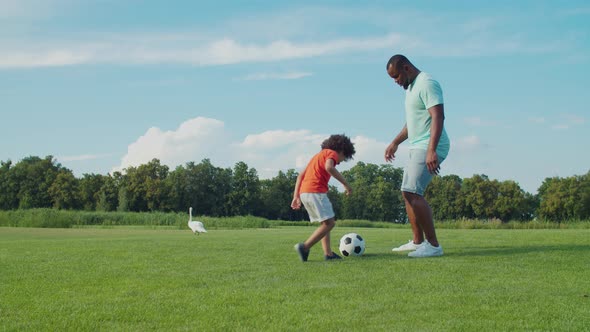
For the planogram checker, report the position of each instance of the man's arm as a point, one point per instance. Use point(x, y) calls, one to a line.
point(437, 113)
point(392, 148)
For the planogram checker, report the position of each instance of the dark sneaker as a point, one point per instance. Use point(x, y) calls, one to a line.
point(301, 251)
point(332, 256)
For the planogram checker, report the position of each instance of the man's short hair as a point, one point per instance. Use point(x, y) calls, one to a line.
point(397, 61)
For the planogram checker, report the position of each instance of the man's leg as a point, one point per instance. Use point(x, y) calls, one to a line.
point(418, 233)
point(422, 214)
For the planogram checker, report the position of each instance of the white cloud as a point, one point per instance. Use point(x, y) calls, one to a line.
point(575, 119)
point(467, 143)
point(537, 119)
point(479, 122)
point(83, 157)
point(167, 50)
point(292, 33)
point(275, 76)
point(275, 150)
point(274, 139)
point(193, 140)
point(370, 150)
point(560, 127)
point(583, 11)
point(46, 58)
point(279, 150)
point(268, 152)
point(197, 50)
point(200, 138)
point(568, 121)
point(29, 9)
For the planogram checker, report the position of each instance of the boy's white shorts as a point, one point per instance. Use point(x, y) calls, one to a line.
point(318, 206)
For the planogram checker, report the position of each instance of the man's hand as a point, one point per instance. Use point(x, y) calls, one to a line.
point(390, 152)
point(432, 162)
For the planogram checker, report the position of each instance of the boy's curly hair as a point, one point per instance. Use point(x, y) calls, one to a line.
point(340, 143)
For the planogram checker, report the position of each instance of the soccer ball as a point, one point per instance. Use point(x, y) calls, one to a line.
point(352, 244)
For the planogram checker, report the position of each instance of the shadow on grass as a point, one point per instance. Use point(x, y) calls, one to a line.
point(469, 251)
point(381, 255)
point(485, 251)
point(497, 251)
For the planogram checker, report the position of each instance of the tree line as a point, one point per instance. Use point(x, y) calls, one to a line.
point(36, 182)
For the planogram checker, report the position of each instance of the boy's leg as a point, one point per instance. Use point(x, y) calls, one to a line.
point(326, 241)
point(321, 233)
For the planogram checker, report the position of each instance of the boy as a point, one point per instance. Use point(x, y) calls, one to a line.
point(311, 189)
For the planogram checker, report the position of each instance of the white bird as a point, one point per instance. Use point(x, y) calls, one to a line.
point(196, 226)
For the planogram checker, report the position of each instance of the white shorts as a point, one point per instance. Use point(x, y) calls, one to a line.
point(318, 206)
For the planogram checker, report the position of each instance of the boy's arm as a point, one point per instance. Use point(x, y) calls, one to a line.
point(296, 202)
point(331, 168)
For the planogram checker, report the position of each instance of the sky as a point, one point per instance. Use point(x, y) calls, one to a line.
point(103, 85)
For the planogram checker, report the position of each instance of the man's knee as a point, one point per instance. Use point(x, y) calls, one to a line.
point(410, 197)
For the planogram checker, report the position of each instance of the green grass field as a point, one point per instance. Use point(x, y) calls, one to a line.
point(139, 279)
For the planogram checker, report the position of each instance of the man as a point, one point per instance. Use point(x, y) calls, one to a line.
point(429, 146)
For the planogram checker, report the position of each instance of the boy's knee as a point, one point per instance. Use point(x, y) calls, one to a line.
point(330, 222)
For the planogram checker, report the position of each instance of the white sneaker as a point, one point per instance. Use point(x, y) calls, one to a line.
point(427, 250)
point(410, 246)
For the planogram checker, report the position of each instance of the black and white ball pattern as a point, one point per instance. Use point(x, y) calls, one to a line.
point(352, 244)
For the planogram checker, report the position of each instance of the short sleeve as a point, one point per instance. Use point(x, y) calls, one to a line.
point(432, 94)
point(332, 155)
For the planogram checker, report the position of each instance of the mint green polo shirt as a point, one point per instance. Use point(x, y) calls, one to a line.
point(422, 94)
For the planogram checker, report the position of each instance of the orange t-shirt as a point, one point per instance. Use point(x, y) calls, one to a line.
point(315, 179)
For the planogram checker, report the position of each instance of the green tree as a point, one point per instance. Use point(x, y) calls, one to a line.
point(584, 211)
point(90, 185)
point(511, 201)
point(375, 193)
point(386, 190)
point(8, 187)
point(34, 176)
point(108, 195)
point(276, 195)
point(63, 191)
point(244, 198)
point(483, 198)
point(156, 186)
point(479, 194)
point(564, 198)
point(444, 197)
point(359, 177)
point(145, 186)
point(123, 198)
point(201, 186)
